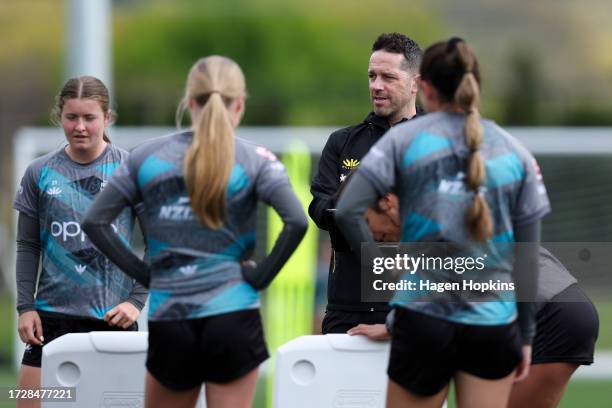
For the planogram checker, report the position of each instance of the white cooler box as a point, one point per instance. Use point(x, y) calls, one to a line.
point(334, 370)
point(107, 369)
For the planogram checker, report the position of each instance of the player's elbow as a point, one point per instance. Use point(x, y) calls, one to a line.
point(343, 217)
point(89, 224)
point(300, 225)
point(317, 212)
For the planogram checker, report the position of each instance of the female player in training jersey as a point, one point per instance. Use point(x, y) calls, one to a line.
point(79, 289)
point(567, 323)
point(200, 190)
point(459, 179)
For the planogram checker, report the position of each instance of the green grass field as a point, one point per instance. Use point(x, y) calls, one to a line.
point(604, 342)
point(6, 328)
point(580, 393)
point(588, 394)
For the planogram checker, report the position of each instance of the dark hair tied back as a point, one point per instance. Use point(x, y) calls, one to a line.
point(451, 67)
point(452, 43)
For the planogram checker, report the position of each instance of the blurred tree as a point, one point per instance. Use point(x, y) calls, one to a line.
point(305, 65)
point(522, 96)
point(586, 114)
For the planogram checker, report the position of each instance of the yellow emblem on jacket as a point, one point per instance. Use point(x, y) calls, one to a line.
point(350, 164)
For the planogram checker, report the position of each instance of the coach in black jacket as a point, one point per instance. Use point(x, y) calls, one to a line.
point(393, 77)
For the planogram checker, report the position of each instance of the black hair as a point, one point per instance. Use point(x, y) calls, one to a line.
point(400, 44)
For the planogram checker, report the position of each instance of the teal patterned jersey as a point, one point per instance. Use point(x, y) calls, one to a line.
point(76, 279)
point(195, 270)
point(424, 162)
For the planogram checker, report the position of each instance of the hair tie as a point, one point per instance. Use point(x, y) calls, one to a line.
point(452, 43)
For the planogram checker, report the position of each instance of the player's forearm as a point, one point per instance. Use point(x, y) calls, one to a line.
point(295, 225)
point(526, 271)
point(138, 295)
point(28, 257)
point(358, 195)
point(319, 211)
point(97, 226)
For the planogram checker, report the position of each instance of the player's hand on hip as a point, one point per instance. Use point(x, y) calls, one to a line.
point(123, 315)
point(248, 268)
point(522, 371)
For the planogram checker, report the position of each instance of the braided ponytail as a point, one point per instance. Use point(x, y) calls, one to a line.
point(451, 67)
point(467, 98)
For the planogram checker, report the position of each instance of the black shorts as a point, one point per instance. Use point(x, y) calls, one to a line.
point(567, 328)
point(338, 321)
point(427, 351)
point(185, 353)
point(56, 325)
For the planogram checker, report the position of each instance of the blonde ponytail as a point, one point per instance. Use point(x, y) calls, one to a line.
point(209, 162)
point(213, 83)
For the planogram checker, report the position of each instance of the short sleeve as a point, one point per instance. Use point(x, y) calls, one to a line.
point(26, 198)
point(271, 174)
point(379, 165)
point(532, 201)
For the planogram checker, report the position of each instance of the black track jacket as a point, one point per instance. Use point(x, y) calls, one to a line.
point(342, 153)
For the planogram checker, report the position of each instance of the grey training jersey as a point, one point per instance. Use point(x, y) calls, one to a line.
point(195, 270)
point(554, 276)
point(424, 161)
point(76, 279)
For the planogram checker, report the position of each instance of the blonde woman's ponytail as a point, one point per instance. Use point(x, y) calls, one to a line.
point(213, 84)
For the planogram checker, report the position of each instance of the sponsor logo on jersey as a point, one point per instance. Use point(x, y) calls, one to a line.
point(277, 166)
point(80, 269)
point(342, 178)
point(54, 191)
point(70, 229)
point(350, 164)
point(456, 186)
point(188, 270)
point(538, 173)
point(263, 152)
point(179, 211)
